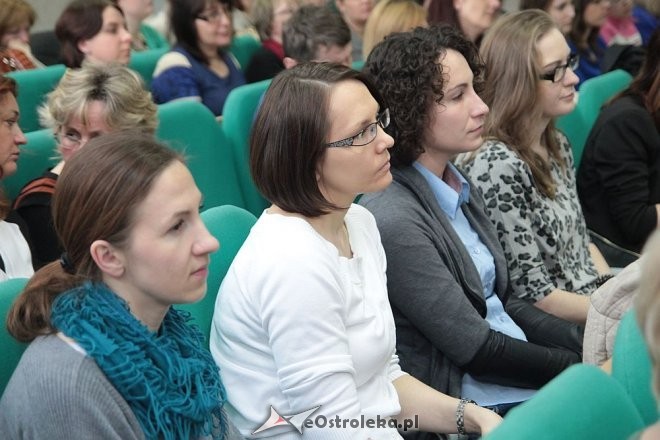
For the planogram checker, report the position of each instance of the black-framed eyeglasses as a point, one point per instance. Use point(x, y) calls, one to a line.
point(559, 72)
point(367, 135)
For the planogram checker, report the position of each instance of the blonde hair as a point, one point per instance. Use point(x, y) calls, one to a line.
point(511, 90)
point(128, 105)
point(389, 16)
point(647, 303)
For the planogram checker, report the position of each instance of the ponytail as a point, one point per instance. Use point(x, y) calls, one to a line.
point(29, 315)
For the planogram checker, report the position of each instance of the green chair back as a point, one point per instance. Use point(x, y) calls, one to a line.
point(188, 126)
point(238, 116)
point(631, 367)
point(36, 156)
point(581, 403)
point(144, 63)
point(243, 47)
point(231, 226)
point(11, 349)
point(594, 92)
point(33, 86)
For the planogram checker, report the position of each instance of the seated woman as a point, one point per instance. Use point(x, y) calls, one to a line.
point(561, 11)
point(143, 36)
point(109, 357)
point(619, 176)
point(269, 18)
point(93, 30)
point(524, 169)
point(15, 258)
point(458, 328)
point(389, 16)
point(87, 103)
point(16, 19)
point(199, 66)
point(584, 40)
point(302, 318)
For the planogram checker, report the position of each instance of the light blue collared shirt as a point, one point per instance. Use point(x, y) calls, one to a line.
point(450, 201)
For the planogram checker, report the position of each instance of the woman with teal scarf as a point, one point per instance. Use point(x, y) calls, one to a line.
point(108, 356)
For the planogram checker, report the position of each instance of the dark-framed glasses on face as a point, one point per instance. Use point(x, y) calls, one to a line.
point(559, 72)
point(367, 135)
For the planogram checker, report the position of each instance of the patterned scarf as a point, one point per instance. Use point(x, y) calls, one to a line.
point(168, 379)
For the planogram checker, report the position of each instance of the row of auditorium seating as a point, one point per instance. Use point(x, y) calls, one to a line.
point(185, 125)
point(35, 84)
point(583, 402)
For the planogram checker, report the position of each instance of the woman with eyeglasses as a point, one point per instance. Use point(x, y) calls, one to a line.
point(525, 168)
point(199, 66)
point(88, 102)
point(458, 329)
point(302, 324)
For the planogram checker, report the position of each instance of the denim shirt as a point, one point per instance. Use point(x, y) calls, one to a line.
point(450, 201)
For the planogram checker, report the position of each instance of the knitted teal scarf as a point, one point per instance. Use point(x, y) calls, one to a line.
point(169, 380)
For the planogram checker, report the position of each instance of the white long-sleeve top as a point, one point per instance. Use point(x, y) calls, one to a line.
point(296, 325)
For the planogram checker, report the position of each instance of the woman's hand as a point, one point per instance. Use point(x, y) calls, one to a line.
point(483, 419)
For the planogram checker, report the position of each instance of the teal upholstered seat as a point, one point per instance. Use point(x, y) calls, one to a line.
point(231, 226)
point(33, 86)
point(11, 350)
point(238, 116)
point(581, 403)
point(191, 128)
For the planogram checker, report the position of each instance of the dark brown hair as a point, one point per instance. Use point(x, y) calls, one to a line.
point(7, 85)
point(80, 20)
point(407, 72)
point(91, 203)
point(288, 140)
point(647, 82)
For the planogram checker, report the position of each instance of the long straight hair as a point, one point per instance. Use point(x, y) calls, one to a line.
point(512, 90)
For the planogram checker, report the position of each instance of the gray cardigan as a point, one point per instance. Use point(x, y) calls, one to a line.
point(443, 325)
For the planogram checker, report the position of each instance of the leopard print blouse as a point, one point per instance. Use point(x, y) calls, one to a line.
point(545, 240)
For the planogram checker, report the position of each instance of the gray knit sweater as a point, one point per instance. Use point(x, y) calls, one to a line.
point(56, 392)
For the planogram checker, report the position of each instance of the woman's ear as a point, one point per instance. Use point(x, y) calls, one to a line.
point(83, 46)
point(108, 258)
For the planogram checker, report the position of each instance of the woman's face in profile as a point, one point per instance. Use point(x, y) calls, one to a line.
point(112, 43)
point(166, 257)
point(11, 135)
point(348, 168)
point(456, 124)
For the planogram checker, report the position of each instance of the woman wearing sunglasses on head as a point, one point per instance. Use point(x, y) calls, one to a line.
point(525, 167)
point(302, 318)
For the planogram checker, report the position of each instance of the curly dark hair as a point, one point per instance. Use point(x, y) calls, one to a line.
point(407, 70)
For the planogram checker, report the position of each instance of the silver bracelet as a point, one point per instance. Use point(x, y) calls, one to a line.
point(460, 415)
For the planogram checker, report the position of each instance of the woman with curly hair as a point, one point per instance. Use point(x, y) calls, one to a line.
point(525, 167)
point(458, 328)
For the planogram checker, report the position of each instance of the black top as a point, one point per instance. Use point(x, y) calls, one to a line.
point(618, 180)
point(264, 64)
